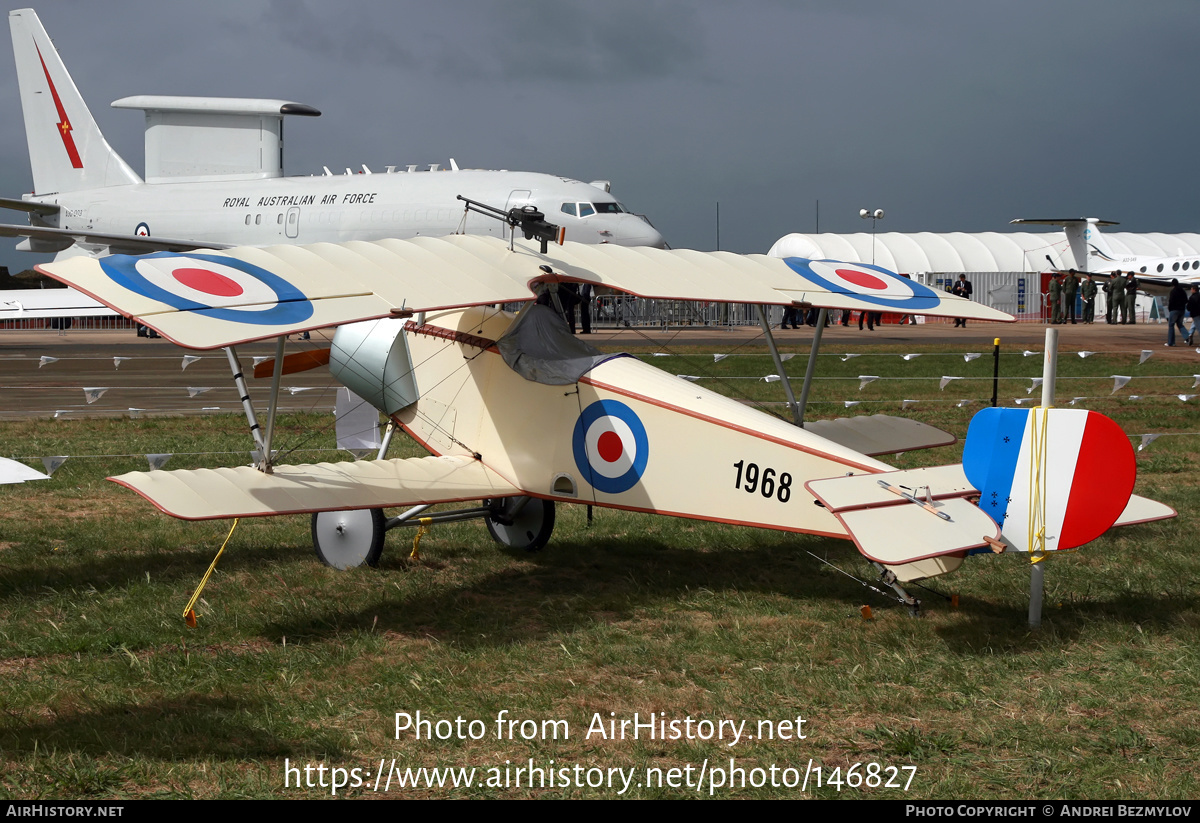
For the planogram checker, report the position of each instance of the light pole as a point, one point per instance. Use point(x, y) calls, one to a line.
point(877, 214)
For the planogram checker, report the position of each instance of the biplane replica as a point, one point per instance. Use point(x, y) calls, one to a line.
point(521, 415)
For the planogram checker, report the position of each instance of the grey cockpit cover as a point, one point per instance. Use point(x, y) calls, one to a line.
point(540, 347)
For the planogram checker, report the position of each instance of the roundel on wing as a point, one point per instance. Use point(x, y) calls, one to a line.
point(870, 284)
point(610, 446)
point(221, 287)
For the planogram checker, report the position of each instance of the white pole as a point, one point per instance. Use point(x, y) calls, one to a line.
point(1037, 572)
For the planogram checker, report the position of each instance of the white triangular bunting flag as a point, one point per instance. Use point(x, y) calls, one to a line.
point(91, 395)
point(117, 361)
point(1020, 400)
point(771, 378)
point(717, 358)
point(848, 356)
point(971, 355)
point(1075, 400)
point(1185, 397)
point(135, 412)
point(298, 389)
point(52, 463)
point(61, 411)
point(661, 354)
point(188, 359)
point(1085, 353)
point(904, 404)
point(864, 379)
point(1028, 353)
point(786, 357)
point(157, 461)
point(44, 360)
point(1146, 355)
point(1134, 397)
point(962, 403)
point(1195, 380)
point(909, 356)
point(1147, 439)
point(850, 403)
point(195, 390)
point(692, 378)
point(946, 381)
point(1119, 382)
point(1037, 381)
point(210, 408)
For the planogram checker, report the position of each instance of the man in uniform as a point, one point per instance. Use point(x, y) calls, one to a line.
point(1118, 297)
point(1054, 297)
point(1070, 286)
point(1131, 287)
point(1088, 291)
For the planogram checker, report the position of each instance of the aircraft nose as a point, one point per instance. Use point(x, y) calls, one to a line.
point(638, 232)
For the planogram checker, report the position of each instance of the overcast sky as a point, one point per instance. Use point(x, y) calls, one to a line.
point(950, 115)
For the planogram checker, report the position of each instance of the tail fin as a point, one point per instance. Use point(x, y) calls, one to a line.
point(66, 149)
point(1086, 241)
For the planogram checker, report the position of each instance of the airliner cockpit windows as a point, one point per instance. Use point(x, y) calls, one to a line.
point(609, 208)
point(569, 208)
point(586, 210)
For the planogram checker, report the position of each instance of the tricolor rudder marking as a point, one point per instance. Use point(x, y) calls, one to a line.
point(223, 288)
point(610, 445)
point(871, 284)
point(1089, 469)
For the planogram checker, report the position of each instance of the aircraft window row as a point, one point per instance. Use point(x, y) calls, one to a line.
point(588, 209)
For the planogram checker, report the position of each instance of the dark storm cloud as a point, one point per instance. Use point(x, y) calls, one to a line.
point(951, 116)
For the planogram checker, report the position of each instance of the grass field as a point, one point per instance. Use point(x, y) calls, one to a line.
point(106, 693)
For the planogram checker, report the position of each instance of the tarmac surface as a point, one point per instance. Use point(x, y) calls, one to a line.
point(153, 380)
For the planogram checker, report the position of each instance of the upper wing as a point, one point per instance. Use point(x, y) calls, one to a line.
point(207, 494)
point(208, 300)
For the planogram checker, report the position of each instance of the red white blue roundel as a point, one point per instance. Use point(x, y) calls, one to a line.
point(219, 287)
point(871, 284)
point(610, 445)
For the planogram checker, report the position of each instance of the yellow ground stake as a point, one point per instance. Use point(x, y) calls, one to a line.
point(189, 613)
point(423, 529)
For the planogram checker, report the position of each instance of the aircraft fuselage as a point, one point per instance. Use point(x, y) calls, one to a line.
point(338, 208)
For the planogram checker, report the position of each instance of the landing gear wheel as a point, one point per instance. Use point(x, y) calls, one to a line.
point(348, 539)
point(521, 522)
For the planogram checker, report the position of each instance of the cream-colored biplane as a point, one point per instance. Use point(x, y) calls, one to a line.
point(519, 414)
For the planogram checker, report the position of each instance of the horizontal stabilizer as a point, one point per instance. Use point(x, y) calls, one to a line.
point(211, 494)
point(880, 434)
point(1144, 510)
point(894, 529)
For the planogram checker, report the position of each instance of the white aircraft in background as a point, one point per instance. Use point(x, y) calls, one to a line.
point(214, 179)
point(1094, 255)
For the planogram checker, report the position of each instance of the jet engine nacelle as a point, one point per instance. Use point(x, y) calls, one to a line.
point(372, 360)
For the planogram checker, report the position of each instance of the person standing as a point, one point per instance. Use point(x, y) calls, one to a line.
point(1110, 306)
point(1054, 298)
point(1176, 306)
point(1118, 296)
point(1131, 287)
point(1070, 287)
point(1087, 290)
point(962, 288)
point(1193, 310)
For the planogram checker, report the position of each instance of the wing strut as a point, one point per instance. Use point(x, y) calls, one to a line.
point(276, 375)
point(797, 412)
point(239, 380)
point(812, 362)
